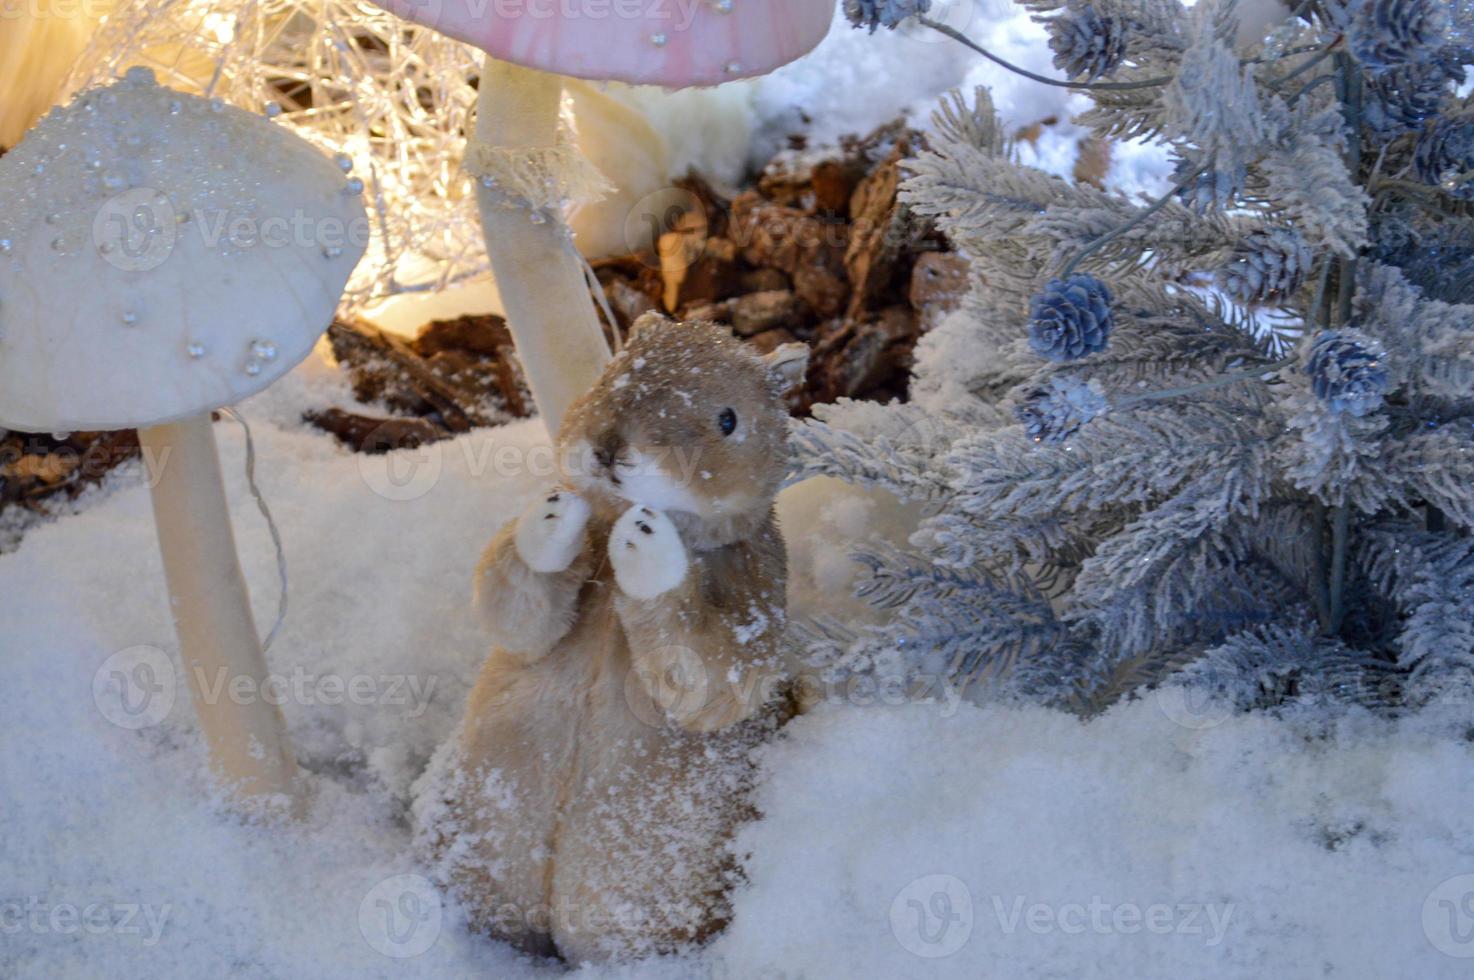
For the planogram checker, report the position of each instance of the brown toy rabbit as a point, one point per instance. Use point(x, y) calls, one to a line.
point(638, 613)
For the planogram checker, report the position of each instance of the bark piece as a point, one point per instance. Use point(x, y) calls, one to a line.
point(877, 231)
point(373, 435)
point(697, 267)
point(752, 313)
point(765, 280)
point(811, 182)
point(809, 250)
point(486, 335)
point(853, 360)
point(35, 468)
point(770, 340)
point(759, 312)
point(383, 366)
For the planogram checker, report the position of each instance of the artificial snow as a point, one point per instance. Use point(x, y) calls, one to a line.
point(898, 839)
point(855, 80)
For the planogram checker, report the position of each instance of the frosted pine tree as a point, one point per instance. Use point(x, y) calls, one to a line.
point(1228, 431)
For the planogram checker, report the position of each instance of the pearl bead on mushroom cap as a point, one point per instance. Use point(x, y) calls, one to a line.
point(161, 256)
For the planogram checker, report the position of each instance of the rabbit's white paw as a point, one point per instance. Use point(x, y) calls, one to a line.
point(550, 533)
point(647, 553)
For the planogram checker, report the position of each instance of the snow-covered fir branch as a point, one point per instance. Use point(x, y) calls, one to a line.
point(1231, 427)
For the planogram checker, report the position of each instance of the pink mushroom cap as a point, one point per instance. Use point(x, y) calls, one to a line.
point(674, 43)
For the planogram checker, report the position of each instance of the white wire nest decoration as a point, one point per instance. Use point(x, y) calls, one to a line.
point(396, 99)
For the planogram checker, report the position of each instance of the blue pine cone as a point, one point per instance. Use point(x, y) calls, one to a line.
point(1085, 44)
point(1347, 372)
point(1052, 413)
point(1401, 100)
point(1267, 265)
point(1444, 155)
point(1070, 318)
point(1211, 190)
point(1384, 34)
point(883, 13)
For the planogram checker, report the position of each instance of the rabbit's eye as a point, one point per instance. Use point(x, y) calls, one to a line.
point(727, 421)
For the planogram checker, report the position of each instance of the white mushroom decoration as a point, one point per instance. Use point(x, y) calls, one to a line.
point(162, 256)
point(526, 169)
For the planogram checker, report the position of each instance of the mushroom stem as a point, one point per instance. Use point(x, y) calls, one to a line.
point(540, 279)
point(211, 608)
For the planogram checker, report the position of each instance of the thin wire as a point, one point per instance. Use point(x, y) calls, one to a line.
point(1141, 216)
point(1235, 377)
point(962, 38)
point(281, 555)
point(597, 288)
point(1325, 52)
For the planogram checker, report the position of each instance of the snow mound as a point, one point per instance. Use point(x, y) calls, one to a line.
point(899, 840)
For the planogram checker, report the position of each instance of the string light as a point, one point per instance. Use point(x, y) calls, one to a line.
point(393, 100)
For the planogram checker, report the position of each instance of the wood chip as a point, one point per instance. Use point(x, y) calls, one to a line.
point(374, 435)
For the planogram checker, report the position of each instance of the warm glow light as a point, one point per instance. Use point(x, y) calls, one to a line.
point(348, 76)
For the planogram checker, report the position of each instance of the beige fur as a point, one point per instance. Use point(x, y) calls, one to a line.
point(602, 763)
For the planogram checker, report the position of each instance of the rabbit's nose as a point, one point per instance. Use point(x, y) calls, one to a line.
point(608, 448)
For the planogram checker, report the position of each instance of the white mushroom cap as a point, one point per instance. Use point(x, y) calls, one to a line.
point(163, 255)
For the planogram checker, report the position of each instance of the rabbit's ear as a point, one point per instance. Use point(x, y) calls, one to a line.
point(648, 321)
point(787, 365)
